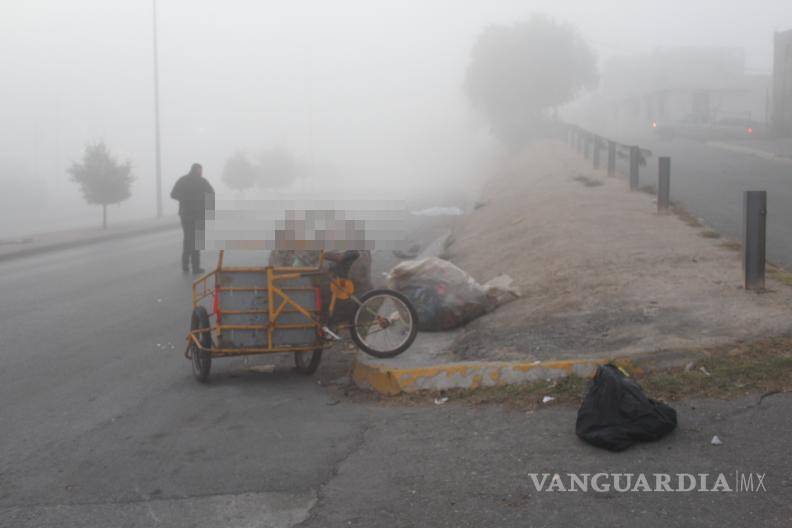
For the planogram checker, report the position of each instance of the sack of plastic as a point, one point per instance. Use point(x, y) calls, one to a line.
point(444, 296)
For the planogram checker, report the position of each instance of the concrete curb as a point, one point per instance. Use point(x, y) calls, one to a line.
point(391, 381)
point(78, 242)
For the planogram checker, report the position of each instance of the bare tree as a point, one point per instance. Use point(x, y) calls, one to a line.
point(519, 75)
point(102, 179)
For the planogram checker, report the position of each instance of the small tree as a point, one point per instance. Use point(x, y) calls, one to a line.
point(519, 74)
point(239, 173)
point(102, 179)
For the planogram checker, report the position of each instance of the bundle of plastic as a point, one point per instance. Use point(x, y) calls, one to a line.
point(444, 296)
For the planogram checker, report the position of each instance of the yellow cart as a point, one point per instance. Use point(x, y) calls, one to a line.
point(241, 311)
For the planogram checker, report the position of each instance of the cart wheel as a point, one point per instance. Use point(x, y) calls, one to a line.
point(308, 362)
point(385, 323)
point(201, 360)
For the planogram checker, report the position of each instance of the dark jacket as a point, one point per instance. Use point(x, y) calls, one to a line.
point(195, 195)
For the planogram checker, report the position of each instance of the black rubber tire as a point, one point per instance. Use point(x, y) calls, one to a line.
point(201, 360)
point(308, 366)
point(413, 331)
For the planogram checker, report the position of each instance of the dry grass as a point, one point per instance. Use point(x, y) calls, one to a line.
point(648, 189)
point(588, 182)
point(733, 245)
point(709, 233)
point(784, 277)
point(686, 217)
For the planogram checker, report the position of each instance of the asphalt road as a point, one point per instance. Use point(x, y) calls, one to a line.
point(103, 425)
point(709, 181)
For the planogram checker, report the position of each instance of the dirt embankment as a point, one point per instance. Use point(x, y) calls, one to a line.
point(600, 271)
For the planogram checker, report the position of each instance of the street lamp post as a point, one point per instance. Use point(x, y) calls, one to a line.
point(158, 161)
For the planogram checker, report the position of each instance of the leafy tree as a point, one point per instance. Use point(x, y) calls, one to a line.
point(102, 179)
point(239, 173)
point(519, 74)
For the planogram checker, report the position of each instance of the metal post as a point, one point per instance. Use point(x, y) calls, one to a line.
point(587, 147)
point(754, 238)
point(596, 155)
point(611, 158)
point(663, 184)
point(157, 150)
point(634, 155)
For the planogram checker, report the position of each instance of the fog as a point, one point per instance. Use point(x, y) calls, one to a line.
point(367, 96)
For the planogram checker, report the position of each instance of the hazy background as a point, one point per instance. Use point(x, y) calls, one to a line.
point(359, 91)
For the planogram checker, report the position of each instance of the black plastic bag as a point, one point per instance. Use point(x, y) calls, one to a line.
point(616, 413)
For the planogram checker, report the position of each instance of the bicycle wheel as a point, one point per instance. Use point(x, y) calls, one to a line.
point(385, 323)
point(201, 360)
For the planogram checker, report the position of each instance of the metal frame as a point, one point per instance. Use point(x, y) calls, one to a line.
point(201, 289)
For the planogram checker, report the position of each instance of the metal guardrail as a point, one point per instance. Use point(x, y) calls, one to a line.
point(589, 145)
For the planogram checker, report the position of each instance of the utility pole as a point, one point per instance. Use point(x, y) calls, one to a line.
point(158, 160)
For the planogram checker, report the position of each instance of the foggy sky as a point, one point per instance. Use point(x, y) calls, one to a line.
point(366, 89)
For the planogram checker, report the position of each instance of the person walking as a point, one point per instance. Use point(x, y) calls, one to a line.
point(195, 196)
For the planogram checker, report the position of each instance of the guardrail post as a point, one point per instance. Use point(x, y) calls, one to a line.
point(663, 184)
point(635, 153)
point(754, 237)
point(596, 155)
point(611, 158)
point(587, 147)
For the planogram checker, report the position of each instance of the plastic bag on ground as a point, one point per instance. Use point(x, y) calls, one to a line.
point(443, 295)
point(616, 413)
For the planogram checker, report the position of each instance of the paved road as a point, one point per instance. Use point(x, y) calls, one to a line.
point(102, 425)
point(709, 182)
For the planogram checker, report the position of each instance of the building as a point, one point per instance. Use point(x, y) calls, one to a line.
point(685, 86)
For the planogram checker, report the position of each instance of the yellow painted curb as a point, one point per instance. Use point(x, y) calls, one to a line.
point(468, 375)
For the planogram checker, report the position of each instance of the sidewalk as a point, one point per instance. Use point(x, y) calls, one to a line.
point(11, 248)
point(602, 275)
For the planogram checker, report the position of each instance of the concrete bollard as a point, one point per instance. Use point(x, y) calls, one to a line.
point(611, 158)
point(754, 239)
point(635, 153)
point(596, 155)
point(663, 184)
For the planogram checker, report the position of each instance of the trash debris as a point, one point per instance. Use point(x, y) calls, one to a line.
point(159, 300)
point(479, 205)
point(704, 371)
point(616, 413)
point(501, 290)
point(716, 441)
point(547, 399)
point(689, 366)
point(438, 211)
point(441, 401)
point(445, 296)
point(408, 254)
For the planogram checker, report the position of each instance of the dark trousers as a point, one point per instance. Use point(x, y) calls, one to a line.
point(190, 254)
